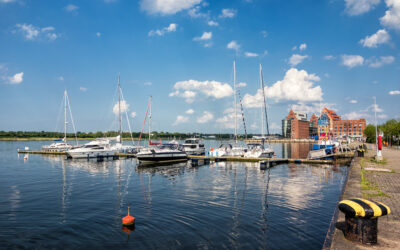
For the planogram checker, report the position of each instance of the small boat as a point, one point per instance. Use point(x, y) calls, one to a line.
point(101, 147)
point(194, 146)
point(257, 150)
point(226, 149)
point(61, 145)
point(168, 152)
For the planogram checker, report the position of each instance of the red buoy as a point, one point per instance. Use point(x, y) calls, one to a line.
point(128, 220)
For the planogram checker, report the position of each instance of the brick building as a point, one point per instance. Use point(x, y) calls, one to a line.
point(295, 126)
point(341, 128)
point(328, 124)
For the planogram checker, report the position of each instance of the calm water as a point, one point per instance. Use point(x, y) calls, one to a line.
point(50, 202)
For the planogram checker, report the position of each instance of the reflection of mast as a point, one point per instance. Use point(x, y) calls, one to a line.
point(64, 192)
point(265, 205)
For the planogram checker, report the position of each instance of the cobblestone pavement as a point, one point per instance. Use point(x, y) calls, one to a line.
point(386, 189)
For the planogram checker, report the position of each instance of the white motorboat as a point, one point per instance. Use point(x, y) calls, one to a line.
point(100, 147)
point(227, 149)
point(170, 152)
point(58, 147)
point(257, 150)
point(194, 146)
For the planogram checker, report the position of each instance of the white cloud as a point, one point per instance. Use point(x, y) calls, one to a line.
point(83, 89)
point(391, 19)
point(377, 63)
point(98, 34)
point(189, 89)
point(161, 32)
point(167, 7)
point(310, 108)
point(228, 13)
point(241, 84)
point(187, 94)
point(61, 78)
point(7, 1)
point(264, 33)
point(71, 8)
point(228, 120)
point(353, 101)
point(147, 83)
point(353, 116)
point(206, 117)
point(380, 37)
point(205, 36)
point(233, 45)
point(352, 61)
point(195, 13)
point(303, 46)
point(296, 59)
point(124, 107)
point(329, 57)
point(297, 85)
point(212, 23)
point(17, 78)
point(189, 111)
point(275, 126)
point(250, 54)
point(294, 47)
point(32, 33)
point(394, 92)
point(358, 7)
point(180, 119)
point(133, 114)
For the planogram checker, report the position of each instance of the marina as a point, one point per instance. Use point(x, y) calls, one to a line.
point(209, 215)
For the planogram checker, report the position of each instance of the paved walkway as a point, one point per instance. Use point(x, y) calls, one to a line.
point(385, 188)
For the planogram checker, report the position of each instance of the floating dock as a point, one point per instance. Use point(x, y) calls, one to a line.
point(196, 158)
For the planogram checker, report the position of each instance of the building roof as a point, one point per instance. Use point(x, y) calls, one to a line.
point(332, 114)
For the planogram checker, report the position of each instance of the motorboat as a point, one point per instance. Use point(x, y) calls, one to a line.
point(257, 150)
point(168, 152)
point(226, 149)
point(101, 147)
point(194, 146)
point(59, 146)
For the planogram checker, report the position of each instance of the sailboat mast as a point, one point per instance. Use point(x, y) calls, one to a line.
point(265, 103)
point(151, 98)
point(65, 116)
point(376, 128)
point(261, 107)
point(234, 97)
point(119, 106)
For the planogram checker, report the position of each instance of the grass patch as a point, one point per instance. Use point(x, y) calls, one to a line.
point(373, 160)
point(369, 186)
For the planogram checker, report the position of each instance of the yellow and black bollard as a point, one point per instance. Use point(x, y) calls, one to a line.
point(362, 219)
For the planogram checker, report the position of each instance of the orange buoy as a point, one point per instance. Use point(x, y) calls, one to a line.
point(128, 220)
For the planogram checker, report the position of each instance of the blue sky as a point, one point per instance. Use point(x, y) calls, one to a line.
point(336, 53)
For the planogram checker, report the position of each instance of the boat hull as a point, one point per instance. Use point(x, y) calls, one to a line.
point(91, 154)
point(167, 157)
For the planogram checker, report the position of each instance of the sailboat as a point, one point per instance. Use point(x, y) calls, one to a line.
point(61, 145)
point(102, 147)
point(258, 150)
point(229, 149)
point(158, 152)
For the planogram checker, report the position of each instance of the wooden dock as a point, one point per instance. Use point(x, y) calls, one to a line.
point(196, 158)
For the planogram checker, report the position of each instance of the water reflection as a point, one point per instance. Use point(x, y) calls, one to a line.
point(296, 150)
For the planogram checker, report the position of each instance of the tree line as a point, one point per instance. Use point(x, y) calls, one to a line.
point(91, 135)
point(390, 129)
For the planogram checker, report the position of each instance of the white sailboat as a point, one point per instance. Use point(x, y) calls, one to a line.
point(61, 145)
point(229, 149)
point(102, 147)
point(258, 150)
